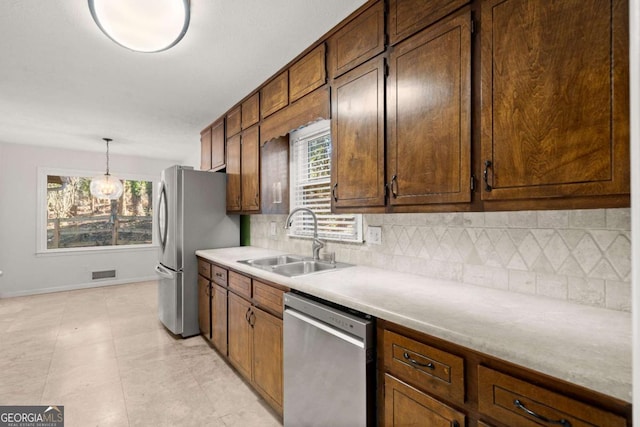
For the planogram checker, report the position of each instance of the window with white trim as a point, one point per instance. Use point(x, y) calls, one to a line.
point(70, 218)
point(310, 168)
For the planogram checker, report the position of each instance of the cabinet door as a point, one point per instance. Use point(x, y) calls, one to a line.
point(357, 134)
point(233, 174)
point(233, 122)
point(205, 149)
point(407, 17)
point(429, 115)
point(251, 169)
point(274, 179)
point(219, 318)
point(251, 111)
point(406, 406)
point(358, 41)
point(239, 334)
point(267, 355)
point(554, 98)
point(217, 145)
point(275, 95)
point(309, 73)
point(204, 313)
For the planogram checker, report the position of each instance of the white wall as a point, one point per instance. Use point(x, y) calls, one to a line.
point(25, 272)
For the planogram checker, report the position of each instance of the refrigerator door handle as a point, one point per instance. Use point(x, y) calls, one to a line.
point(164, 272)
point(163, 214)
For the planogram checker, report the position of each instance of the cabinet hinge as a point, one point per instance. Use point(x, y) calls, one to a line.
point(473, 183)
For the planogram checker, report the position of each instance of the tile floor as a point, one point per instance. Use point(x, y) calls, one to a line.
point(103, 354)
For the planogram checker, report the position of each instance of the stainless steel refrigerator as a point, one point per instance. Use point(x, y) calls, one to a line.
point(191, 215)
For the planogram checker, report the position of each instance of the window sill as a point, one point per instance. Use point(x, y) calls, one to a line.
point(96, 250)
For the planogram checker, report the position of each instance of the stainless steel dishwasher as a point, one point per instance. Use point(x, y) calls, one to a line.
point(329, 364)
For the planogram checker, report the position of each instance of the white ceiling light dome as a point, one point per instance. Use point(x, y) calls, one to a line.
point(142, 25)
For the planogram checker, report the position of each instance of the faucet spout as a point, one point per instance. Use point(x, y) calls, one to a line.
point(317, 243)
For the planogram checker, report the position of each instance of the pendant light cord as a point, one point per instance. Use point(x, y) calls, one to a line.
point(107, 140)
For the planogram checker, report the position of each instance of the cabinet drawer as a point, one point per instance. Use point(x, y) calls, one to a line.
point(220, 275)
point(267, 296)
point(407, 406)
point(514, 402)
point(240, 284)
point(204, 269)
point(426, 367)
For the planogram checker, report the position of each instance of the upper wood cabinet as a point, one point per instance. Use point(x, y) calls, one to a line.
point(406, 17)
point(275, 94)
point(429, 115)
point(274, 179)
point(358, 41)
point(309, 73)
point(212, 145)
point(555, 99)
point(251, 111)
point(250, 169)
point(205, 149)
point(243, 171)
point(357, 137)
point(234, 124)
point(234, 195)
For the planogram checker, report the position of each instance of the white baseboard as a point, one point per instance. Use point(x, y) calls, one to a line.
point(93, 284)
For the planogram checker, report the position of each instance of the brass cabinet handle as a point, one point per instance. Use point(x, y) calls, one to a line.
point(544, 419)
point(394, 179)
point(415, 362)
point(485, 175)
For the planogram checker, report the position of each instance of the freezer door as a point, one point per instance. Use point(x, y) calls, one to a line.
point(170, 298)
point(169, 219)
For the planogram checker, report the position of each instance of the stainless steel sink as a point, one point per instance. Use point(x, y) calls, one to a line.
point(272, 260)
point(293, 265)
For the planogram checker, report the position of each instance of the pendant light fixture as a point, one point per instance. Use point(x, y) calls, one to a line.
point(142, 25)
point(106, 186)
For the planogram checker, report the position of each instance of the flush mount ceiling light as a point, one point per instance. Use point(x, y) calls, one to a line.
point(106, 186)
point(142, 25)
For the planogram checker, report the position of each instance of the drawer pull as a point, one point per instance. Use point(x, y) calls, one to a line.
point(219, 275)
point(528, 411)
point(415, 362)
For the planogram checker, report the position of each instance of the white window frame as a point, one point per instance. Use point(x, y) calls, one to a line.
point(304, 228)
point(41, 212)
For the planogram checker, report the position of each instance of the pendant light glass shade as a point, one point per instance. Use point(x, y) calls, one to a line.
point(142, 25)
point(106, 186)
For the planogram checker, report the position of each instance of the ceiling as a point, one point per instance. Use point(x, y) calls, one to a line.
point(63, 83)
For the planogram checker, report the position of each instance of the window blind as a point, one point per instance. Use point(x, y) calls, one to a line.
point(311, 187)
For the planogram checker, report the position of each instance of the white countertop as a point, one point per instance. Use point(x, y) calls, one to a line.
point(584, 345)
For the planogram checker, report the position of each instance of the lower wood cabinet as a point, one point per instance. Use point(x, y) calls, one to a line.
point(267, 356)
point(255, 339)
point(219, 318)
point(407, 406)
point(521, 403)
point(428, 382)
point(204, 307)
point(239, 334)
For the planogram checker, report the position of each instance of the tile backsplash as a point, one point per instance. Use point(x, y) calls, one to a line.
point(578, 255)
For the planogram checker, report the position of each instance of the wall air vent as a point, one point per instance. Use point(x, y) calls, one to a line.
point(106, 274)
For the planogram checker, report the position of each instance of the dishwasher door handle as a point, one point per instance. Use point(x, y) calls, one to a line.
point(324, 327)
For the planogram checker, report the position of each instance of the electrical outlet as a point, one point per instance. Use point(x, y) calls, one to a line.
point(374, 235)
point(272, 229)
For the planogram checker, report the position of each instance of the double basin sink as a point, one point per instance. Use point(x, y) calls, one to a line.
point(293, 265)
